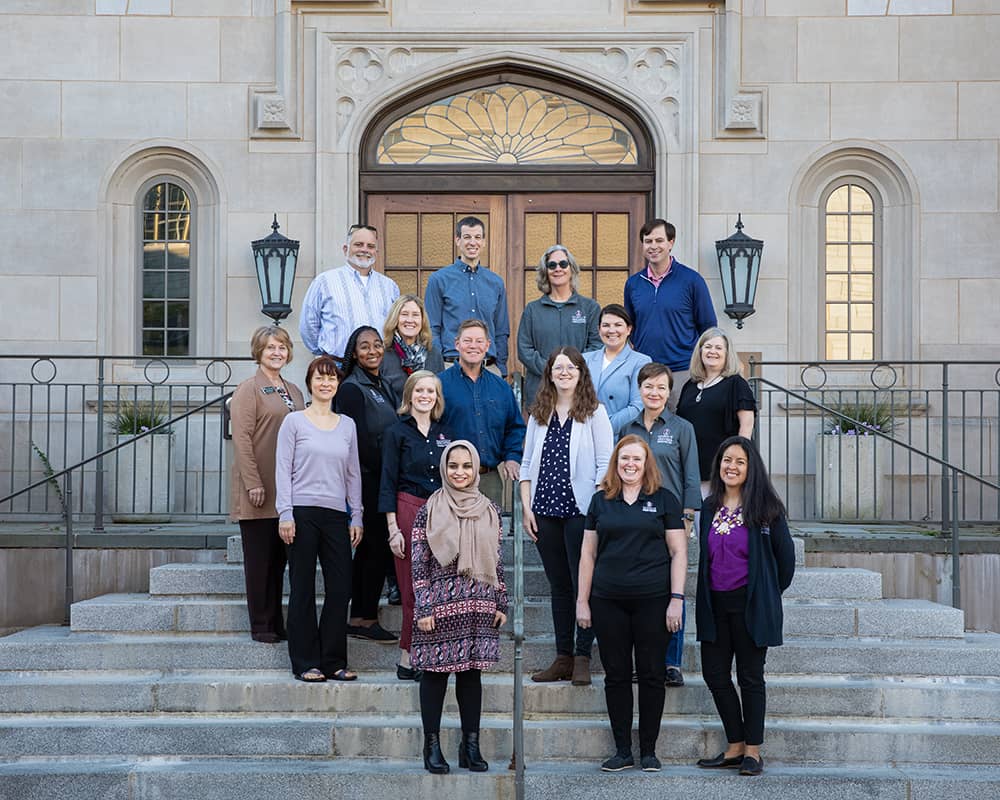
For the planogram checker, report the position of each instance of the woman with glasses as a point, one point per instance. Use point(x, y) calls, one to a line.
point(569, 441)
point(559, 318)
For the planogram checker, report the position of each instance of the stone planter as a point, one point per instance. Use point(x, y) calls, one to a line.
point(141, 484)
point(846, 477)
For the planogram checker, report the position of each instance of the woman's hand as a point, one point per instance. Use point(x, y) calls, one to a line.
point(499, 618)
point(396, 542)
point(256, 496)
point(530, 526)
point(583, 613)
point(356, 533)
point(286, 531)
point(675, 614)
point(426, 624)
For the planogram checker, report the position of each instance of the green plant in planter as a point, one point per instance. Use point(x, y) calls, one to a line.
point(137, 417)
point(870, 417)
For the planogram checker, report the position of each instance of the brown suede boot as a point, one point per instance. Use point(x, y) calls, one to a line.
point(559, 670)
point(581, 670)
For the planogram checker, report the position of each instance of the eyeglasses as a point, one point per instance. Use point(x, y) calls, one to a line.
point(359, 227)
point(551, 265)
point(563, 368)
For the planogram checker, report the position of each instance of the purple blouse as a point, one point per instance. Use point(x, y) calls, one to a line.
point(727, 551)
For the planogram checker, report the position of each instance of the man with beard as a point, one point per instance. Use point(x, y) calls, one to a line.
point(342, 299)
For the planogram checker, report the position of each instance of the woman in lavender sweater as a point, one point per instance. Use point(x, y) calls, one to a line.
point(318, 483)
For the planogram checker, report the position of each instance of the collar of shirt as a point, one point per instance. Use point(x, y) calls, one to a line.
point(468, 268)
point(656, 280)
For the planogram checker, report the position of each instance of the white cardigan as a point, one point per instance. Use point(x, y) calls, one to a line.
point(590, 446)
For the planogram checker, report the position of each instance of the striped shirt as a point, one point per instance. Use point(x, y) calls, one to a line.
point(339, 301)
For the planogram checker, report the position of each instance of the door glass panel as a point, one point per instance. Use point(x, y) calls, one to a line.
point(612, 240)
point(437, 238)
point(539, 235)
point(610, 286)
point(578, 235)
point(400, 238)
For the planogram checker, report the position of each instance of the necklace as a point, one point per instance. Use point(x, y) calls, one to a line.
point(725, 520)
point(702, 386)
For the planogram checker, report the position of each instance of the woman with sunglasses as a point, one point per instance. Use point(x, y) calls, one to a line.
point(561, 317)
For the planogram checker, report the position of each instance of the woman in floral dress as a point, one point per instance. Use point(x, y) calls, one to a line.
point(460, 602)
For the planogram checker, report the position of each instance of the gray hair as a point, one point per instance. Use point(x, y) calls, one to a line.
point(732, 365)
point(542, 278)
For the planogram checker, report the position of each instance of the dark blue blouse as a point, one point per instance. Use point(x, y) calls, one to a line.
point(554, 493)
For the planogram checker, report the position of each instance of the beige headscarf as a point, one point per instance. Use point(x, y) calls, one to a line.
point(463, 523)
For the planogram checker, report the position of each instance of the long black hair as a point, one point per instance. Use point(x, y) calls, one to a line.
point(351, 348)
point(761, 504)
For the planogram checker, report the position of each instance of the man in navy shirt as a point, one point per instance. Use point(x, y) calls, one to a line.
point(669, 303)
point(480, 406)
point(468, 290)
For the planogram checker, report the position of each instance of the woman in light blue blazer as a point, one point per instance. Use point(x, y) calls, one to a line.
point(569, 442)
point(614, 369)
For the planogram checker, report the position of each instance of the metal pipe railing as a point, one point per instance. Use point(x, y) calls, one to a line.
point(517, 622)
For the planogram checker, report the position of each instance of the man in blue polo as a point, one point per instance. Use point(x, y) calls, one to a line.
point(669, 303)
point(468, 290)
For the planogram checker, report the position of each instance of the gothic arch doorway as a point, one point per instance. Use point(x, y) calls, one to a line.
point(540, 161)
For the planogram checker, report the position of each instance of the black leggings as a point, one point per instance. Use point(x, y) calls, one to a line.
point(468, 691)
point(743, 723)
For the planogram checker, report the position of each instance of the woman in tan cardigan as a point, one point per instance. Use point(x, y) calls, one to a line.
point(258, 407)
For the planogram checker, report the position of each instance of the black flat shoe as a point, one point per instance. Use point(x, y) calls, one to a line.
point(752, 766)
point(720, 761)
point(408, 673)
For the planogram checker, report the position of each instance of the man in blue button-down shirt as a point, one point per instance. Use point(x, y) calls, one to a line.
point(480, 406)
point(468, 290)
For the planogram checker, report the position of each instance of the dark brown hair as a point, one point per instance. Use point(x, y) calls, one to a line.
point(322, 365)
point(654, 370)
point(584, 397)
point(653, 224)
point(612, 482)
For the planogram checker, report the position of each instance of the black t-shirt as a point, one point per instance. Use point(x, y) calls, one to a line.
point(632, 556)
point(714, 416)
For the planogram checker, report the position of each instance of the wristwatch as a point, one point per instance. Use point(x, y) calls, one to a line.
point(687, 516)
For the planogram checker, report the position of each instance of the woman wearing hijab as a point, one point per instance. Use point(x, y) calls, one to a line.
point(460, 602)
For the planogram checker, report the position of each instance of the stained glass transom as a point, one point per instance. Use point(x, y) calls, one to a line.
point(510, 125)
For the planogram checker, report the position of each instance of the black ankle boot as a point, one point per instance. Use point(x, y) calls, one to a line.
point(469, 756)
point(433, 757)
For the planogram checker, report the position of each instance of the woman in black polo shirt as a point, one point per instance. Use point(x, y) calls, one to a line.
point(632, 571)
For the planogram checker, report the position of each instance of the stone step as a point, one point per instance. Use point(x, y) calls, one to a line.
point(384, 779)
point(56, 648)
point(274, 692)
point(798, 740)
point(228, 579)
point(161, 613)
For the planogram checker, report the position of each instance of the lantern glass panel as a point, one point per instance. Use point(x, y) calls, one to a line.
point(741, 276)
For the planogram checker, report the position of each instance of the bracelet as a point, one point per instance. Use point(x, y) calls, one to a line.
point(676, 596)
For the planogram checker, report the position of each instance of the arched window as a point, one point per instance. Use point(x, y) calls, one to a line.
point(851, 232)
point(166, 267)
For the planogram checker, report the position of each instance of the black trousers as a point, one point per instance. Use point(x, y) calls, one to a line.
point(319, 533)
point(468, 692)
point(264, 561)
point(742, 723)
point(559, 543)
point(624, 627)
point(372, 557)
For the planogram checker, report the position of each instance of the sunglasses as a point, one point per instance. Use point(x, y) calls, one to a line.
point(359, 227)
point(551, 265)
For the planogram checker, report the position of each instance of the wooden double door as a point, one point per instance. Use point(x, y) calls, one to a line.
point(601, 230)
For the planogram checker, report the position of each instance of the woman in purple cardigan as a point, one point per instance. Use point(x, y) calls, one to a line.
point(318, 478)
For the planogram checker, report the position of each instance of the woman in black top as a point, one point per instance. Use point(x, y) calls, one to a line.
point(747, 561)
point(411, 457)
point(716, 399)
point(371, 403)
point(633, 585)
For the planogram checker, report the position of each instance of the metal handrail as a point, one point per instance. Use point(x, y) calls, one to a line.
point(946, 467)
point(517, 622)
point(67, 475)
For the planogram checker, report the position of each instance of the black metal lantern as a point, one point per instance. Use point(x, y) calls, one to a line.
point(739, 267)
point(275, 259)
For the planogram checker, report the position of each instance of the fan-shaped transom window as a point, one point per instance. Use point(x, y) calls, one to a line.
point(507, 124)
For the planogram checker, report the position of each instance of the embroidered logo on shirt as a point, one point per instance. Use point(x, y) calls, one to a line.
point(649, 507)
point(579, 318)
point(376, 396)
point(443, 441)
point(665, 437)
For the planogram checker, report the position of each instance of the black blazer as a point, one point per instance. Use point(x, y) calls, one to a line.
point(770, 567)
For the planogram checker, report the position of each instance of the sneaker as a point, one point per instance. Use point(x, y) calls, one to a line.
point(374, 633)
point(618, 762)
point(674, 677)
point(649, 763)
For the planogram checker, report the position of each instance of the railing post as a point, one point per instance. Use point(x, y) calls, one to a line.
point(99, 464)
point(755, 385)
point(68, 492)
point(945, 494)
point(956, 549)
point(517, 607)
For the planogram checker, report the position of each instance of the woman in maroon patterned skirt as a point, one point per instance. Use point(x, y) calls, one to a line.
point(460, 602)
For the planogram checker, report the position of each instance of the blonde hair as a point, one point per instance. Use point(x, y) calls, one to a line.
point(732, 365)
point(392, 321)
point(261, 336)
point(411, 383)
